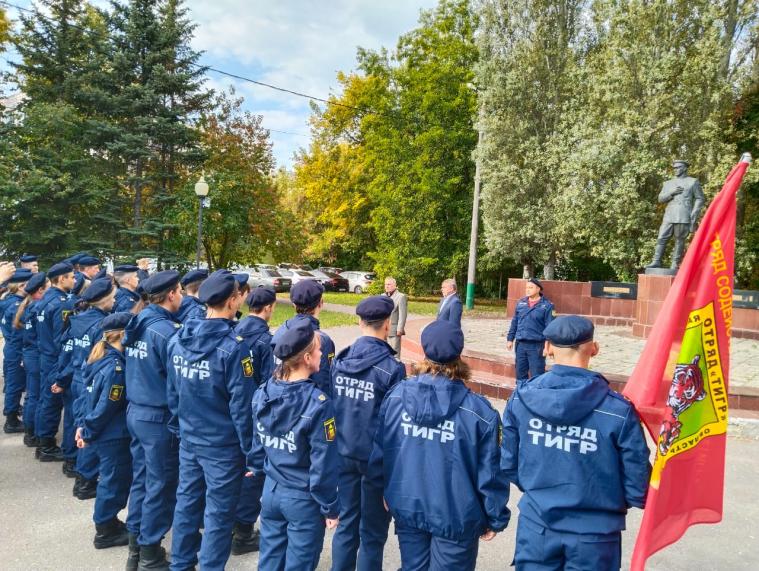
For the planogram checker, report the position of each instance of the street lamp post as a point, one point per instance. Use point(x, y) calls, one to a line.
point(201, 191)
point(470, 280)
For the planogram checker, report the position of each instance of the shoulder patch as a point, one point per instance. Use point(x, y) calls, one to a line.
point(322, 397)
point(238, 338)
point(330, 358)
point(500, 433)
point(177, 325)
point(247, 366)
point(116, 393)
point(330, 430)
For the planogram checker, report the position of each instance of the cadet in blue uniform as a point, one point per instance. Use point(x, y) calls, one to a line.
point(191, 307)
point(254, 330)
point(577, 451)
point(307, 298)
point(29, 262)
point(84, 330)
point(361, 376)
point(13, 360)
point(210, 386)
point(52, 315)
point(155, 450)
point(35, 289)
point(532, 315)
point(89, 266)
point(295, 444)
point(103, 428)
point(432, 424)
point(126, 297)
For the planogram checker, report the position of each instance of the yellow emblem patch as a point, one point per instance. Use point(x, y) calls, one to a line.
point(322, 397)
point(65, 314)
point(116, 393)
point(330, 430)
point(247, 367)
point(500, 433)
point(330, 357)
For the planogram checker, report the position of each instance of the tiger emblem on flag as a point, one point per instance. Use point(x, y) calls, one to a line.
point(687, 388)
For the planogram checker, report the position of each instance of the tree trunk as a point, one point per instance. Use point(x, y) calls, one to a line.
point(528, 270)
point(549, 267)
point(731, 21)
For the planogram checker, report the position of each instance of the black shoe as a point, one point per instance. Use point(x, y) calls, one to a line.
point(12, 424)
point(152, 558)
point(69, 468)
point(77, 484)
point(133, 558)
point(110, 534)
point(245, 539)
point(87, 489)
point(49, 451)
point(30, 439)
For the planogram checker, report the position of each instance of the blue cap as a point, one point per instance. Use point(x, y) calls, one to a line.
point(442, 341)
point(306, 293)
point(101, 274)
point(20, 276)
point(26, 258)
point(114, 321)
point(35, 282)
point(375, 308)
point(261, 296)
point(293, 341)
point(569, 331)
point(59, 269)
point(217, 288)
point(536, 282)
point(160, 282)
point(98, 289)
point(88, 261)
point(74, 259)
point(125, 268)
point(193, 276)
point(79, 281)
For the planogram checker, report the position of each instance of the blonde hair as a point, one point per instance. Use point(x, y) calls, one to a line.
point(286, 367)
point(456, 369)
point(109, 338)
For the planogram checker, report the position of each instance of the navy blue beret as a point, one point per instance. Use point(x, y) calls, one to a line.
point(35, 282)
point(160, 282)
point(306, 293)
point(101, 274)
point(375, 308)
point(293, 341)
point(79, 281)
point(26, 258)
point(193, 276)
point(88, 261)
point(569, 330)
point(217, 288)
point(60, 269)
point(126, 268)
point(241, 278)
point(261, 296)
point(98, 290)
point(74, 259)
point(21, 275)
point(117, 320)
point(442, 341)
point(536, 282)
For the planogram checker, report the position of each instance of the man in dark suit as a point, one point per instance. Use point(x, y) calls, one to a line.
point(450, 306)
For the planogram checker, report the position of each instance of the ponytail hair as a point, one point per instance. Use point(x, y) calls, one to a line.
point(109, 338)
point(286, 367)
point(17, 323)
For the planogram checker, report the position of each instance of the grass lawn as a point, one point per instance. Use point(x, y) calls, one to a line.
point(283, 312)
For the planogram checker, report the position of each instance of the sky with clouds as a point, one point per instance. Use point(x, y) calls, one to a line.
point(295, 44)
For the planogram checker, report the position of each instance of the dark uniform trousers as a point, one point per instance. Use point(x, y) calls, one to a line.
point(422, 551)
point(87, 457)
point(249, 506)
point(364, 522)
point(208, 492)
point(115, 463)
point(541, 549)
point(32, 367)
point(529, 359)
point(292, 529)
point(50, 404)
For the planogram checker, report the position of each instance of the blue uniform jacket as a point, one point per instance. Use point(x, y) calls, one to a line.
point(30, 350)
point(125, 299)
point(146, 338)
point(295, 441)
point(436, 450)
point(577, 451)
point(210, 385)
point(191, 308)
point(450, 309)
point(83, 332)
point(14, 338)
point(322, 377)
point(528, 322)
point(52, 315)
point(257, 338)
point(105, 409)
point(362, 374)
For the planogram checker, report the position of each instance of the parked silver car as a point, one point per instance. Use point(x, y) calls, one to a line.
point(259, 277)
point(297, 275)
point(359, 281)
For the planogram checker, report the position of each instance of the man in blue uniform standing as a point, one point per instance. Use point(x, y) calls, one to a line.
point(577, 451)
point(52, 315)
point(361, 376)
point(532, 315)
point(307, 298)
point(210, 387)
point(155, 460)
point(29, 262)
point(254, 330)
point(450, 308)
point(89, 266)
point(191, 307)
point(126, 278)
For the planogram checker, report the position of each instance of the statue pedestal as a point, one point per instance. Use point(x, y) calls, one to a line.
point(652, 290)
point(660, 272)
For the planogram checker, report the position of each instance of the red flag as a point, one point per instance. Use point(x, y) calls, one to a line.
point(680, 382)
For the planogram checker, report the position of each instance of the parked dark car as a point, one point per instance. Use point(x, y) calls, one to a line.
point(331, 281)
